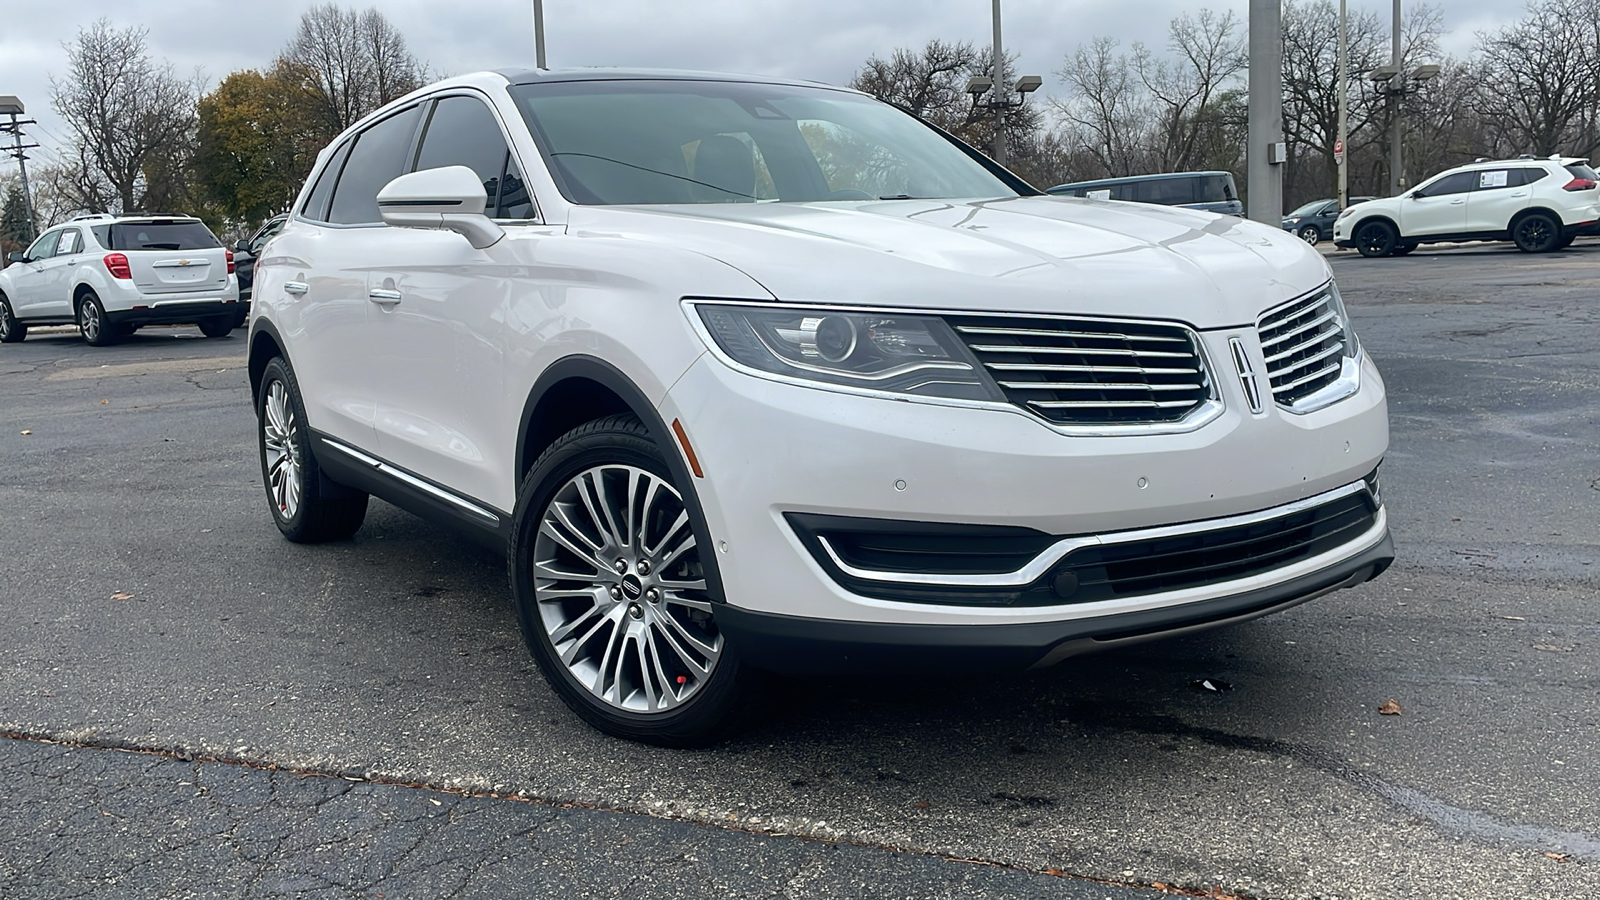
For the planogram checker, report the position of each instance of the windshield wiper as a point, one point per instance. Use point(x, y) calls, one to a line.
point(168, 246)
point(903, 197)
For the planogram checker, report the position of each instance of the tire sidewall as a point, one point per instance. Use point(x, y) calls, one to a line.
point(278, 371)
point(13, 330)
point(1312, 235)
point(1553, 242)
point(1388, 245)
point(692, 723)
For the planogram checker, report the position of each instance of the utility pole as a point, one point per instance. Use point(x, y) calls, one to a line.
point(1000, 109)
point(1397, 87)
point(538, 34)
point(1341, 150)
point(1265, 153)
point(13, 106)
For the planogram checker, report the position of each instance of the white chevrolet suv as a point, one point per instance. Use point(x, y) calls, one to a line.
point(110, 275)
point(749, 375)
point(1541, 204)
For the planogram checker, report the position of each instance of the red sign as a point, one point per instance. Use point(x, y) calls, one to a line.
point(1338, 147)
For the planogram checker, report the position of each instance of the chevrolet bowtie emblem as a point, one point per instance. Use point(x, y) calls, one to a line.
point(183, 262)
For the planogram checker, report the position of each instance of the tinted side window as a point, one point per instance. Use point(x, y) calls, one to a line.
point(463, 132)
point(102, 234)
point(316, 207)
point(1459, 183)
point(44, 246)
point(1214, 189)
point(1166, 191)
point(378, 158)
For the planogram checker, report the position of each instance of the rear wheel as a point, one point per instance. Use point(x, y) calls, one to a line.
point(1403, 249)
point(1566, 242)
point(217, 328)
point(1311, 234)
point(92, 324)
point(1537, 233)
point(11, 330)
point(289, 471)
point(612, 595)
point(1376, 239)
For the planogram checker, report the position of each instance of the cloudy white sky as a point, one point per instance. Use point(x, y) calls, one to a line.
point(824, 40)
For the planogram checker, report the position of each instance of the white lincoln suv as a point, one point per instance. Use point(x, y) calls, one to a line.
point(749, 376)
point(1540, 204)
point(111, 275)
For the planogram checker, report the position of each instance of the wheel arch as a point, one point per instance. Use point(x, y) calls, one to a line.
point(265, 343)
point(1378, 217)
point(79, 291)
point(579, 389)
point(1532, 210)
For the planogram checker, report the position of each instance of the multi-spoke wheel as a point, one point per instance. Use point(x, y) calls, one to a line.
point(92, 324)
point(11, 331)
point(613, 590)
point(1376, 238)
point(1311, 234)
point(1537, 233)
point(306, 506)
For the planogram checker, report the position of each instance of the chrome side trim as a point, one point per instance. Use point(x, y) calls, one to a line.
point(1058, 551)
point(412, 480)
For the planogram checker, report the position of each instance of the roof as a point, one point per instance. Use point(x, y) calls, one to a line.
point(597, 73)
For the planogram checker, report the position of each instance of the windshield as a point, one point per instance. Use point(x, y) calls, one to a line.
point(614, 142)
point(1309, 209)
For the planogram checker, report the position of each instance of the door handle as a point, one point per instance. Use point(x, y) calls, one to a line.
point(383, 296)
point(1457, 202)
point(295, 287)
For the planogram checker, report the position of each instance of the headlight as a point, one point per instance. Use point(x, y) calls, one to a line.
point(878, 351)
point(1346, 211)
point(1292, 220)
point(1352, 345)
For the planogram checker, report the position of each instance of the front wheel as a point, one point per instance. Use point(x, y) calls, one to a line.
point(1537, 233)
point(92, 324)
point(11, 330)
point(289, 470)
point(1311, 234)
point(612, 594)
point(1375, 239)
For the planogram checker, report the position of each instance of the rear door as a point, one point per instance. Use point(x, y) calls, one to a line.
point(1438, 207)
point(28, 278)
point(171, 256)
point(1499, 195)
point(55, 285)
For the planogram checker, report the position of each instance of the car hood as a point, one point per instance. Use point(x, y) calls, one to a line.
point(1023, 254)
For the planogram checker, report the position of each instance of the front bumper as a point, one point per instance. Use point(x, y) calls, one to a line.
point(770, 449)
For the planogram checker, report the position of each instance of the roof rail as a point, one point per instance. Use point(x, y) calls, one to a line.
point(87, 216)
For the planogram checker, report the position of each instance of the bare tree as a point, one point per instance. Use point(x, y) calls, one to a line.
point(132, 120)
point(350, 63)
point(1208, 55)
point(1104, 109)
point(1540, 83)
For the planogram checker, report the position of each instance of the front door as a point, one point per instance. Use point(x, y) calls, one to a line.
point(1438, 207)
point(28, 278)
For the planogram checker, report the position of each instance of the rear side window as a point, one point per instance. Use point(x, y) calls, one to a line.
point(191, 235)
point(71, 242)
point(1214, 189)
point(1579, 170)
point(378, 158)
point(463, 132)
point(1166, 191)
point(316, 207)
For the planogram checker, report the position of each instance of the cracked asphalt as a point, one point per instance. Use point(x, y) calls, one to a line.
point(151, 605)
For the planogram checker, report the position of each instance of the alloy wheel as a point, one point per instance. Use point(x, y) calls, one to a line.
point(1310, 235)
point(280, 433)
point(89, 320)
point(621, 592)
point(5, 321)
point(1535, 233)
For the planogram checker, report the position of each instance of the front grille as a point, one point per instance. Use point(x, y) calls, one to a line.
point(1083, 372)
point(1304, 343)
point(1209, 557)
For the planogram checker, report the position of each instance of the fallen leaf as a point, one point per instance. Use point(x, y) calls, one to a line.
point(1211, 685)
point(1552, 648)
point(922, 804)
point(1559, 857)
point(104, 402)
point(27, 431)
point(1389, 708)
point(1515, 618)
point(119, 595)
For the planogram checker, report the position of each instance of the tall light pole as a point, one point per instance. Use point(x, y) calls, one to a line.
point(1265, 153)
point(1397, 179)
point(538, 34)
point(13, 107)
point(1000, 109)
point(1341, 151)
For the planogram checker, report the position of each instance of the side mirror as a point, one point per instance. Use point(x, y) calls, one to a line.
point(451, 198)
point(1417, 195)
point(16, 257)
point(242, 247)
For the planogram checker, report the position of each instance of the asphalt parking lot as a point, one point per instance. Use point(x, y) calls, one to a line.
point(192, 706)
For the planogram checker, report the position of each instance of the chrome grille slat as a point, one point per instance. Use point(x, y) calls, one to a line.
point(1083, 372)
point(1302, 343)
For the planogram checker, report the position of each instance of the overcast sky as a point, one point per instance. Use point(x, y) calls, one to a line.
point(826, 40)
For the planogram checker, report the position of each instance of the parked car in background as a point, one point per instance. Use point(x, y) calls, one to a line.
point(1540, 204)
point(1314, 221)
point(245, 253)
point(111, 275)
point(1210, 191)
point(745, 373)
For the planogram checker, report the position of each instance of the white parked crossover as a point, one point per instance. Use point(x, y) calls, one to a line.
point(1541, 204)
point(756, 375)
point(111, 275)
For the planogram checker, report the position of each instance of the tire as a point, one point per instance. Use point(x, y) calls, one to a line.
point(92, 324)
point(217, 328)
point(673, 680)
point(1403, 249)
point(307, 507)
point(1375, 239)
point(1566, 242)
point(1536, 233)
point(11, 330)
point(1311, 234)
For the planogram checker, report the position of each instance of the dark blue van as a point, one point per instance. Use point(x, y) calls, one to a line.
point(1210, 191)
